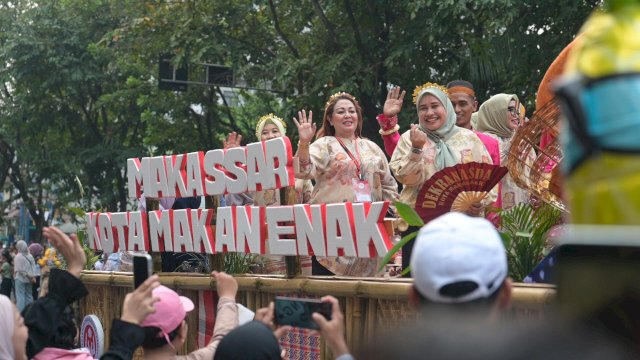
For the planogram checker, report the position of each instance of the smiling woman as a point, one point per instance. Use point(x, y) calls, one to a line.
point(499, 117)
point(432, 145)
point(345, 167)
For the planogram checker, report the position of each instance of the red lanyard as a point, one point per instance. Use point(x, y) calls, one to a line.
point(355, 161)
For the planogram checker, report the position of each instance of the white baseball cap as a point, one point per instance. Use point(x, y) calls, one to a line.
point(457, 249)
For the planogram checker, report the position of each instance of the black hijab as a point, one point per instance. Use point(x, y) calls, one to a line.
point(251, 341)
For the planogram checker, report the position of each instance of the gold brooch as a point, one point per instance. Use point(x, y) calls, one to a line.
point(427, 85)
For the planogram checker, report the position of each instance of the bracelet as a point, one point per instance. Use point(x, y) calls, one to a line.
point(304, 161)
point(303, 144)
point(416, 150)
point(390, 131)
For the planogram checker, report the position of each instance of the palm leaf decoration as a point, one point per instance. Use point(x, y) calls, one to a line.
point(408, 214)
point(524, 231)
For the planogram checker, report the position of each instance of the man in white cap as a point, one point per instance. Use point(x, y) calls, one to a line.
point(460, 261)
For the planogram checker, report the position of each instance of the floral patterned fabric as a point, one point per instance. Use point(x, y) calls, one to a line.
point(413, 169)
point(335, 187)
point(304, 188)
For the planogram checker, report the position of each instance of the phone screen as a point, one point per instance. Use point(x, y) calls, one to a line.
point(297, 312)
point(142, 269)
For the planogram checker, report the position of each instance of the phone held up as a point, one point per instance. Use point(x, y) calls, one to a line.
point(297, 312)
point(142, 269)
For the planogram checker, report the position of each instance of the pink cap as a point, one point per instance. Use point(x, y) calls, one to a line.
point(171, 309)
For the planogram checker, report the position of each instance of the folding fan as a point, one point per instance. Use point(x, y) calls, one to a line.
point(456, 188)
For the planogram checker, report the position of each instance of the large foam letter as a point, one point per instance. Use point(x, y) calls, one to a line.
point(156, 185)
point(175, 166)
point(138, 240)
point(106, 233)
point(277, 245)
point(280, 157)
point(259, 175)
point(339, 236)
point(182, 231)
point(119, 223)
point(214, 182)
point(201, 230)
point(371, 237)
point(160, 229)
point(225, 234)
point(249, 229)
point(134, 178)
point(309, 229)
point(237, 182)
point(195, 183)
point(93, 239)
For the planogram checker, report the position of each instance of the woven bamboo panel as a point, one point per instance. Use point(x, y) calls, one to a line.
point(542, 176)
point(370, 306)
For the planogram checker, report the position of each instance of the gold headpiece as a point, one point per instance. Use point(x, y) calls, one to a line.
point(282, 126)
point(336, 96)
point(427, 85)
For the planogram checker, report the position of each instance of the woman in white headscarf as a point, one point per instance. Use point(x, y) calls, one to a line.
point(23, 265)
point(13, 341)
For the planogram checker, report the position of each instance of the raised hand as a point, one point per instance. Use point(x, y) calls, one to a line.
point(69, 247)
point(138, 304)
point(226, 285)
point(393, 104)
point(418, 137)
point(232, 140)
point(333, 330)
point(267, 316)
point(306, 127)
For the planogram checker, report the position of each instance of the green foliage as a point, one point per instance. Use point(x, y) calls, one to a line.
point(78, 79)
point(408, 213)
point(524, 231)
point(238, 263)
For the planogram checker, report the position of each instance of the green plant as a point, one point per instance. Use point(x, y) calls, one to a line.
point(238, 263)
point(408, 214)
point(524, 231)
point(92, 258)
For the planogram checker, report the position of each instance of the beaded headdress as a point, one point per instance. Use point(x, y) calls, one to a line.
point(337, 95)
point(425, 86)
point(282, 126)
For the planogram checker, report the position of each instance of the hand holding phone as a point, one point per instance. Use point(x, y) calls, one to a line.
point(298, 312)
point(142, 269)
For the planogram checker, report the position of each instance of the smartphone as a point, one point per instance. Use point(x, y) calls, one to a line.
point(297, 312)
point(142, 269)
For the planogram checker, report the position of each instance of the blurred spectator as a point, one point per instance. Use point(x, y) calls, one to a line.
point(165, 331)
point(24, 275)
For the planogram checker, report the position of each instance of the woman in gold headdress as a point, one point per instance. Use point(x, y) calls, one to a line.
point(345, 167)
point(432, 145)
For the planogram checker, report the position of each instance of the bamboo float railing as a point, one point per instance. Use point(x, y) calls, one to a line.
point(369, 305)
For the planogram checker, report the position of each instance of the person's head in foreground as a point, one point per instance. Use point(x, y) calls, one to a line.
point(251, 341)
point(166, 329)
point(459, 262)
point(13, 342)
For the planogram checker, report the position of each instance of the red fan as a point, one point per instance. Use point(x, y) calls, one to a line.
point(456, 188)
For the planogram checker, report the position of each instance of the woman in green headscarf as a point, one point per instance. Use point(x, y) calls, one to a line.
point(499, 117)
point(432, 145)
